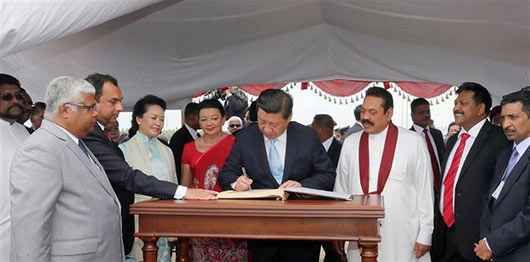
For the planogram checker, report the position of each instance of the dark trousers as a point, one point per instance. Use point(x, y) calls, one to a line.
point(451, 253)
point(331, 255)
point(284, 251)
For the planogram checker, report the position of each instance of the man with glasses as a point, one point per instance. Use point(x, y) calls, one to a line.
point(12, 134)
point(234, 124)
point(63, 207)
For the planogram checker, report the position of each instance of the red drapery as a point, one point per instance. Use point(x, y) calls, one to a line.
point(343, 88)
point(425, 90)
point(255, 90)
point(340, 87)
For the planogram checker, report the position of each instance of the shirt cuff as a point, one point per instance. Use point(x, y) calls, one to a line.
point(424, 238)
point(181, 192)
point(233, 185)
point(487, 245)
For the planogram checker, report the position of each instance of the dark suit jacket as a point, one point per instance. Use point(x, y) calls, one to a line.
point(235, 106)
point(334, 152)
point(438, 141)
point(506, 221)
point(306, 160)
point(177, 142)
point(124, 180)
point(473, 182)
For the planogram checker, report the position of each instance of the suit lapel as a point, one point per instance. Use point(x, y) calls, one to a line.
point(290, 154)
point(450, 144)
point(477, 146)
point(98, 131)
point(95, 168)
point(500, 165)
point(514, 175)
point(260, 146)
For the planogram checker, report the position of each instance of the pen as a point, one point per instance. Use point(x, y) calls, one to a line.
point(245, 174)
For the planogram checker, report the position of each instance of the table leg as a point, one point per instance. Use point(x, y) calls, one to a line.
point(369, 251)
point(149, 249)
point(183, 250)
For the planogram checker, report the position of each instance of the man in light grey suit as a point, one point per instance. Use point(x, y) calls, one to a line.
point(63, 207)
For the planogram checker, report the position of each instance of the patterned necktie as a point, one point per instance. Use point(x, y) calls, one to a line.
point(434, 161)
point(449, 181)
point(511, 164)
point(275, 162)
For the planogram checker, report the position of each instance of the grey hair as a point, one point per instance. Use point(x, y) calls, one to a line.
point(65, 89)
point(232, 118)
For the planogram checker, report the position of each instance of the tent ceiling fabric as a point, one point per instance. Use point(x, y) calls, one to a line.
point(175, 49)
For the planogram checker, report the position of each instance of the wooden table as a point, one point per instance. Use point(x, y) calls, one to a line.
point(261, 219)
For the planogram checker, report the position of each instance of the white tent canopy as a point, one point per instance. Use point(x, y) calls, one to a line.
point(174, 49)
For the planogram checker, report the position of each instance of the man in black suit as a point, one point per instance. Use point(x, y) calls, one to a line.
point(124, 180)
point(187, 133)
point(468, 166)
point(278, 153)
point(504, 227)
point(421, 116)
point(323, 124)
point(235, 105)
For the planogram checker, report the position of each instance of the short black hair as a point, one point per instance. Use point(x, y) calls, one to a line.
point(357, 112)
point(452, 124)
point(323, 121)
point(192, 109)
point(495, 110)
point(253, 112)
point(522, 96)
point(140, 108)
point(417, 102)
point(388, 101)
point(211, 103)
point(38, 106)
point(97, 80)
point(481, 94)
point(6, 79)
point(275, 101)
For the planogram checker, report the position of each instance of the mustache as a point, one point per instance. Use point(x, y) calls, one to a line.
point(509, 129)
point(15, 105)
point(366, 121)
point(458, 112)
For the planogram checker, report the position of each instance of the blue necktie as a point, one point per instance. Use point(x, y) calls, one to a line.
point(275, 163)
point(83, 148)
point(511, 164)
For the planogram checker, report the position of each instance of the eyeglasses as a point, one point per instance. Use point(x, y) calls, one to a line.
point(234, 125)
point(91, 108)
point(9, 96)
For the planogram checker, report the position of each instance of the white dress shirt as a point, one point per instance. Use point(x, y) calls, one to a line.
point(192, 131)
point(327, 143)
point(473, 133)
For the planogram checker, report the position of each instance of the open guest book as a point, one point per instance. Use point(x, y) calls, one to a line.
point(281, 194)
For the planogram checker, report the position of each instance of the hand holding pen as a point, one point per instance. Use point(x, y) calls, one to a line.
point(243, 182)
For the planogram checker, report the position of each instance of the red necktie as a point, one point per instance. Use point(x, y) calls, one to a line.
point(449, 181)
point(434, 160)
